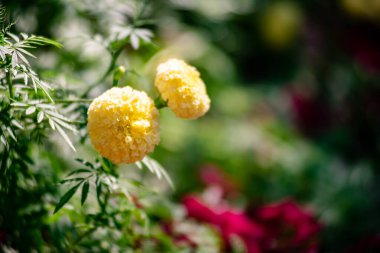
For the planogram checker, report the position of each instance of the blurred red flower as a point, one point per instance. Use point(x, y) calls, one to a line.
point(281, 227)
point(229, 222)
point(210, 175)
point(287, 228)
point(275, 228)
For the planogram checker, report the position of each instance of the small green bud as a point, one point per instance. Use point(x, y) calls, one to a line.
point(119, 73)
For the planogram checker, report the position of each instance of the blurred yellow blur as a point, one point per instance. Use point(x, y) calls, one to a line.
point(281, 23)
point(363, 8)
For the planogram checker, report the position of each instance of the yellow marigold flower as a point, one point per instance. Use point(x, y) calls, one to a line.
point(181, 86)
point(123, 125)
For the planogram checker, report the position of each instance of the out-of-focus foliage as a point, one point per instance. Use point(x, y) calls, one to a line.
point(295, 103)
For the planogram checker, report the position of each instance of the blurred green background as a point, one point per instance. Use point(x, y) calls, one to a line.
point(294, 85)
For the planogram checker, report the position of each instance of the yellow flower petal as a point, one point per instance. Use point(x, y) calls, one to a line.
point(181, 86)
point(123, 125)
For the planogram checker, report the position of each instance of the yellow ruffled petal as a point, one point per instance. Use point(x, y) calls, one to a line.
point(123, 125)
point(183, 89)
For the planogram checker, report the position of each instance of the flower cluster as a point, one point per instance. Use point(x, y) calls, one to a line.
point(183, 89)
point(228, 221)
point(123, 125)
point(287, 227)
point(279, 227)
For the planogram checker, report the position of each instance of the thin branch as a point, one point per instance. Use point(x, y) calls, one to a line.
point(74, 100)
point(110, 68)
point(10, 86)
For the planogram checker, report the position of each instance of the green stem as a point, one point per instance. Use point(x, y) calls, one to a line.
point(10, 86)
point(111, 67)
point(160, 103)
point(75, 100)
point(141, 11)
point(3, 166)
point(87, 233)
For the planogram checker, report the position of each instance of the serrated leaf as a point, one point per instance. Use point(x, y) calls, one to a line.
point(65, 137)
point(40, 116)
point(85, 189)
point(30, 110)
point(66, 197)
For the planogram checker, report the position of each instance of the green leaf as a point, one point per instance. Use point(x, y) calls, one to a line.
point(135, 41)
point(14, 37)
point(65, 125)
point(57, 115)
point(40, 41)
point(11, 134)
point(98, 187)
point(18, 104)
point(40, 116)
point(51, 123)
point(65, 137)
point(30, 110)
point(65, 198)
point(155, 168)
point(84, 162)
point(17, 124)
point(71, 180)
point(85, 189)
point(3, 140)
point(79, 171)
